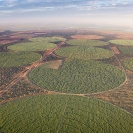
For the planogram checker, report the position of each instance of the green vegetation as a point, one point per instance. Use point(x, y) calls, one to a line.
point(17, 58)
point(84, 49)
point(83, 52)
point(78, 76)
point(128, 63)
point(126, 50)
point(89, 43)
point(36, 44)
point(122, 42)
point(62, 113)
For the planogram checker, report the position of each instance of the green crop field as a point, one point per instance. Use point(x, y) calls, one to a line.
point(128, 63)
point(126, 50)
point(36, 44)
point(17, 58)
point(78, 76)
point(122, 42)
point(84, 52)
point(84, 49)
point(63, 113)
point(89, 43)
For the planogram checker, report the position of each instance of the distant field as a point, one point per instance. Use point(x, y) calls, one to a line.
point(122, 42)
point(78, 76)
point(36, 44)
point(128, 63)
point(126, 50)
point(89, 43)
point(62, 113)
point(47, 39)
point(17, 58)
point(84, 49)
point(87, 37)
point(84, 52)
point(125, 36)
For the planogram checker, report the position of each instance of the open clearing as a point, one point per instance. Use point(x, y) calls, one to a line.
point(53, 64)
point(62, 113)
point(122, 42)
point(76, 77)
point(9, 59)
point(37, 44)
point(128, 63)
point(87, 37)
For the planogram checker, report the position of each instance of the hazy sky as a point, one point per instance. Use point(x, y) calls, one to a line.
point(115, 12)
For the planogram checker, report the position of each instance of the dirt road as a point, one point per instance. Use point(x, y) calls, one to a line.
point(116, 52)
point(27, 69)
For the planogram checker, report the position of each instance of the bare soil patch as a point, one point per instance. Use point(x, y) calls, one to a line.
point(4, 41)
point(27, 36)
point(54, 64)
point(87, 37)
point(115, 49)
point(7, 41)
point(125, 36)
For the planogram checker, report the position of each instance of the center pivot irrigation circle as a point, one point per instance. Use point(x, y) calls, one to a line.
point(78, 76)
point(64, 114)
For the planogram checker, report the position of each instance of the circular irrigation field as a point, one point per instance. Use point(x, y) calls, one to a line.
point(78, 76)
point(36, 44)
point(63, 113)
point(84, 52)
point(12, 59)
point(128, 63)
point(122, 42)
point(84, 49)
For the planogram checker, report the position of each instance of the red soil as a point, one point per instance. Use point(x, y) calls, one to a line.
point(87, 37)
point(115, 49)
